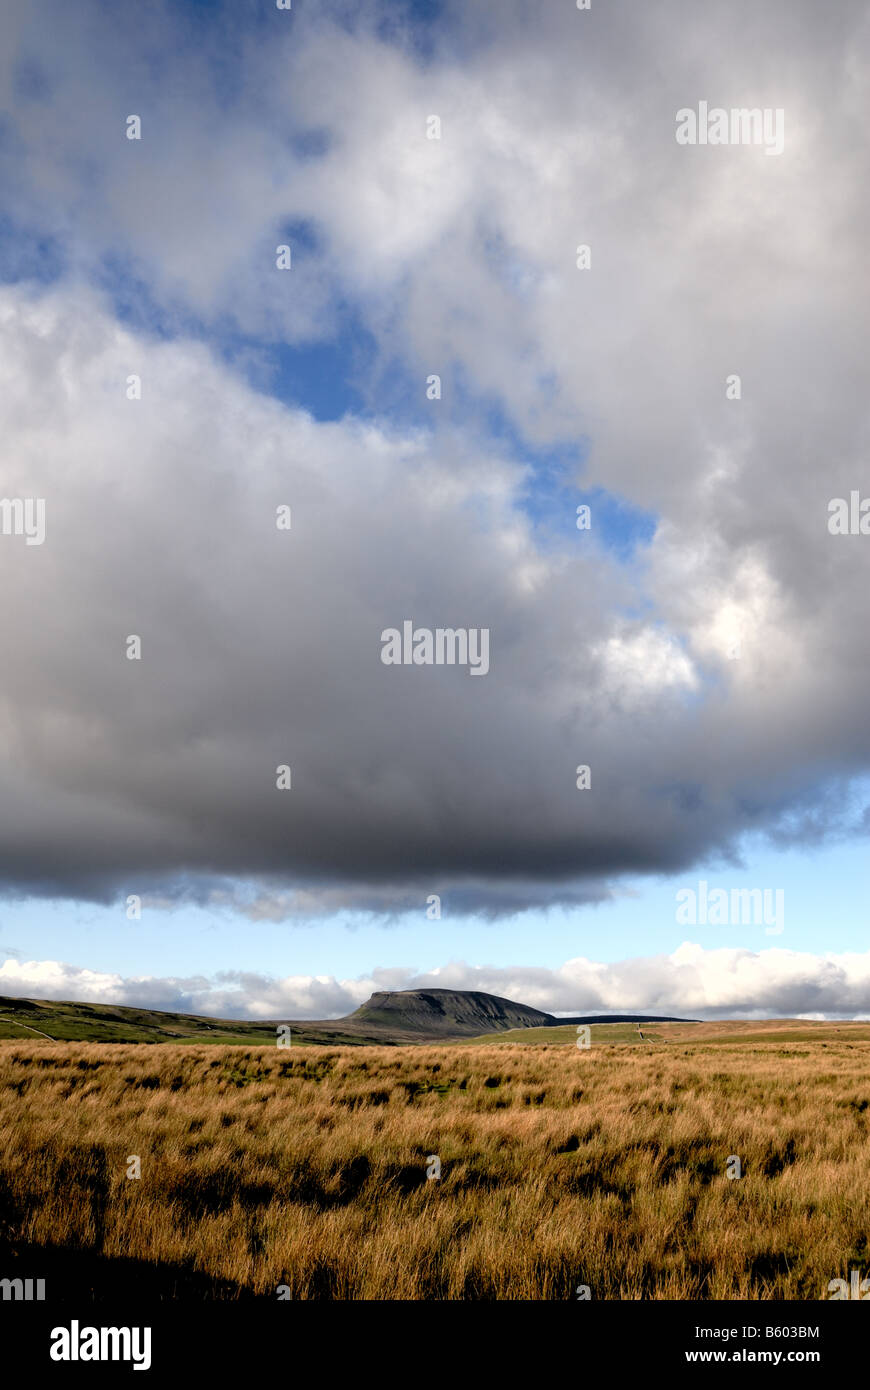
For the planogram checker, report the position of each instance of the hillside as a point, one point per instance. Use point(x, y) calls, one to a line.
point(402, 1016)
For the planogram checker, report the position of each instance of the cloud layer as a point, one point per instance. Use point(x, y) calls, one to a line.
point(261, 648)
point(457, 256)
point(691, 982)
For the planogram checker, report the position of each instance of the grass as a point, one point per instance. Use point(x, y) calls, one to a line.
point(782, 1030)
point(105, 1023)
point(306, 1167)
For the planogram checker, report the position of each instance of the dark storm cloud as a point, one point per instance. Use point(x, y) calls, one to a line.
point(262, 647)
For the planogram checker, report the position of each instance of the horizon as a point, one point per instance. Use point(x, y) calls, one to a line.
point(570, 1015)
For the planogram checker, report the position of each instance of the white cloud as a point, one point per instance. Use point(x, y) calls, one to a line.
point(691, 982)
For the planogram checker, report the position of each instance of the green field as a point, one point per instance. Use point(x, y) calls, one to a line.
point(66, 1021)
point(22, 1019)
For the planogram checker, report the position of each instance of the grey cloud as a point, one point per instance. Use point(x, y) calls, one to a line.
point(262, 648)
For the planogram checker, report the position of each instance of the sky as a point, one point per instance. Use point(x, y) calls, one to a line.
point(319, 321)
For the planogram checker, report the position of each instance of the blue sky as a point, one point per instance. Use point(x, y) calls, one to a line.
point(824, 903)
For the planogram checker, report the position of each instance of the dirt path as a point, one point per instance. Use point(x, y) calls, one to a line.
point(16, 1024)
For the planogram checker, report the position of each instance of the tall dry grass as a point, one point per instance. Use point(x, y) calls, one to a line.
point(306, 1167)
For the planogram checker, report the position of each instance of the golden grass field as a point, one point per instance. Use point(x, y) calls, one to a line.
point(306, 1167)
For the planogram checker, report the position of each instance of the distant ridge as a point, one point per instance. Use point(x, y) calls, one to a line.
point(625, 1018)
point(467, 1012)
point(388, 1017)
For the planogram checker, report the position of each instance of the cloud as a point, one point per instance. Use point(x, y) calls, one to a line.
point(691, 982)
point(261, 648)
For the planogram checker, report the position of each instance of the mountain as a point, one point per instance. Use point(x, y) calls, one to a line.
point(445, 1013)
point(400, 1016)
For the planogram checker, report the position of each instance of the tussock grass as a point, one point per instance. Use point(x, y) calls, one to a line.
point(306, 1167)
